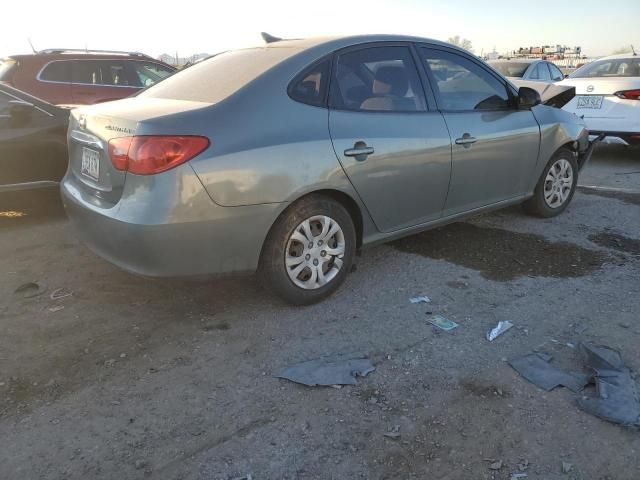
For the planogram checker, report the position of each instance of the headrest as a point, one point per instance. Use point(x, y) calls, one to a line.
point(391, 81)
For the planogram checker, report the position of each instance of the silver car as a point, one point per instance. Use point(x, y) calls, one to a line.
point(287, 158)
point(534, 70)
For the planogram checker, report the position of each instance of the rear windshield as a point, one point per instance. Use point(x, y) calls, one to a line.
point(510, 69)
point(615, 67)
point(7, 65)
point(215, 79)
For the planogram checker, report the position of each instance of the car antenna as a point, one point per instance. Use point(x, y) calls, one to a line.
point(269, 38)
point(32, 47)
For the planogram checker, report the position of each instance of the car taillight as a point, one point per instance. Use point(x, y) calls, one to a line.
point(629, 94)
point(149, 154)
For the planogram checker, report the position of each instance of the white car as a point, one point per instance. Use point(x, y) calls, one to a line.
point(608, 97)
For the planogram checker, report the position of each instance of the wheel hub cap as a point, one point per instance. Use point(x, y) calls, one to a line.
point(558, 183)
point(314, 252)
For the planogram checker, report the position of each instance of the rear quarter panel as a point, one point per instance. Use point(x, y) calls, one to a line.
point(268, 148)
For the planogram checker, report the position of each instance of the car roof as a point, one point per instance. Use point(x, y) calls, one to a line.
point(518, 60)
point(58, 55)
point(351, 39)
point(331, 43)
point(629, 55)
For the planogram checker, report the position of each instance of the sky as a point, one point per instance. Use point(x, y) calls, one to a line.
point(188, 27)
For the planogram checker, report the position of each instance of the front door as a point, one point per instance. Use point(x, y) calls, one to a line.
point(396, 152)
point(494, 145)
point(32, 145)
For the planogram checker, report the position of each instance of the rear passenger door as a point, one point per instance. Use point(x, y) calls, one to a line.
point(395, 150)
point(97, 81)
point(495, 145)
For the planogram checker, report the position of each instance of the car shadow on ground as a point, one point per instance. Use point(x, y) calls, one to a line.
point(30, 207)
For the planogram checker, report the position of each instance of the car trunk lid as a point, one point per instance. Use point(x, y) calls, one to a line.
point(602, 85)
point(91, 128)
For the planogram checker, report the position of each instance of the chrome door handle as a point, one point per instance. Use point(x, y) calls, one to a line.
point(360, 151)
point(466, 140)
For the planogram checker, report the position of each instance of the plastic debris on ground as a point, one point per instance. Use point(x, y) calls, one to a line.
point(617, 399)
point(56, 308)
point(393, 433)
point(29, 290)
point(536, 368)
point(59, 293)
point(442, 323)
point(421, 299)
point(328, 371)
point(566, 467)
point(498, 330)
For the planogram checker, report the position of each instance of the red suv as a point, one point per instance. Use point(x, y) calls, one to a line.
point(79, 77)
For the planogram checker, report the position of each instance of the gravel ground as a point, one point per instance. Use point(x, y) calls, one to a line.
point(136, 378)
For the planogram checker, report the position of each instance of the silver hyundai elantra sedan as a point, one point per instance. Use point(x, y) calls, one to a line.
point(287, 158)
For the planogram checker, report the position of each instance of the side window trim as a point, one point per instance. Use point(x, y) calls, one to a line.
point(508, 89)
point(364, 46)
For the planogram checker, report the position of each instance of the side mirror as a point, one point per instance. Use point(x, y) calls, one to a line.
point(528, 97)
point(566, 75)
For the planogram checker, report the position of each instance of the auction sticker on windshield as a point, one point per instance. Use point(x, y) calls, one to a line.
point(590, 101)
point(90, 163)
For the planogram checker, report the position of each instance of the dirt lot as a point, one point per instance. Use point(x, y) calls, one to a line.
point(139, 378)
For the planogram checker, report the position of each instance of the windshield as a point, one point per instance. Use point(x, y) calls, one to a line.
point(6, 67)
point(615, 67)
point(217, 78)
point(511, 69)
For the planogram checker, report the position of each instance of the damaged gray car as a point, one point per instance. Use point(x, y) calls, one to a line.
point(289, 157)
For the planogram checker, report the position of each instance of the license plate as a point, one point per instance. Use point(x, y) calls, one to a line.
point(90, 163)
point(590, 101)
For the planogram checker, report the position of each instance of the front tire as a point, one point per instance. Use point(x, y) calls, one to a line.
point(309, 250)
point(556, 186)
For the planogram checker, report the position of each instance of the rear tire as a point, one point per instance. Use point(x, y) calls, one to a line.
point(556, 186)
point(309, 250)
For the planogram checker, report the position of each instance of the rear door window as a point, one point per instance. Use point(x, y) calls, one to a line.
point(57, 72)
point(102, 72)
point(461, 84)
point(543, 72)
point(556, 73)
point(310, 86)
point(381, 79)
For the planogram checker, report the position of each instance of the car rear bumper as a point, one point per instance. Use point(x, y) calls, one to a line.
point(617, 138)
point(176, 237)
